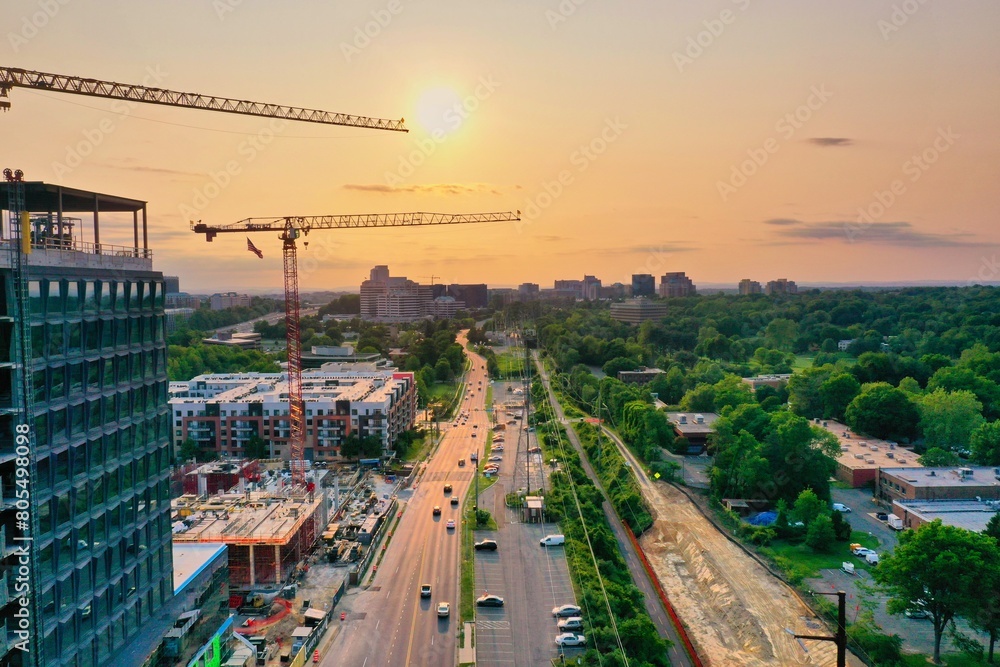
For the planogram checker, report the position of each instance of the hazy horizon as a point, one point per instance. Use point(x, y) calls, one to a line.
point(846, 143)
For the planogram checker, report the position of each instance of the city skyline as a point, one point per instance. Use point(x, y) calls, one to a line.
point(849, 149)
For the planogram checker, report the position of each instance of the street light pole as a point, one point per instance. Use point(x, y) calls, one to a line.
point(840, 639)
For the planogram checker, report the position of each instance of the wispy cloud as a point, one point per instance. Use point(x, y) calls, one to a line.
point(900, 233)
point(782, 222)
point(129, 164)
point(433, 188)
point(828, 142)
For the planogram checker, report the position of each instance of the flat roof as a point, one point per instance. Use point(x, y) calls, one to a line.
point(190, 559)
point(968, 514)
point(856, 451)
point(947, 476)
point(39, 196)
point(257, 517)
point(691, 426)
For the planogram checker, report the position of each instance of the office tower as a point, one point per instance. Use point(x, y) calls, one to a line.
point(643, 284)
point(676, 284)
point(89, 318)
point(748, 286)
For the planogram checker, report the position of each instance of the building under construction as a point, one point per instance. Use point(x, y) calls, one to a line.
point(268, 534)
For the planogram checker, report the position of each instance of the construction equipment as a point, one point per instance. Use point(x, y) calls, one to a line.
point(290, 229)
point(12, 77)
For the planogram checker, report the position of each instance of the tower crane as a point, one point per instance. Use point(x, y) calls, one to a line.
point(12, 77)
point(289, 230)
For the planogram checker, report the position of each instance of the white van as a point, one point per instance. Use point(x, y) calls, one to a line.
point(552, 540)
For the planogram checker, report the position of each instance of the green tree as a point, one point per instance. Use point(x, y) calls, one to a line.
point(612, 367)
point(948, 418)
point(935, 457)
point(993, 527)
point(808, 506)
point(442, 370)
point(941, 567)
point(782, 333)
point(189, 449)
point(883, 411)
point(732, 391)
point(350, 448)
point(699, 399)
point(820, 535)
point(985, 444)
point(837, 392)
point(256, 448)
point(803, 391)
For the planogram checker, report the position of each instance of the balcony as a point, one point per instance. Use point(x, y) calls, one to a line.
point(200, 426)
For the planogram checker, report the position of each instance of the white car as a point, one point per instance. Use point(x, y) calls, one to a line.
point(495, 457)
point(566, 611)
point(841, 507)
point(450, 525)
point(570, 639)
point(861, 552)
point(444, 609)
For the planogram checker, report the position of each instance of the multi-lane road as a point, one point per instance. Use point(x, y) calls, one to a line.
point(389, 624)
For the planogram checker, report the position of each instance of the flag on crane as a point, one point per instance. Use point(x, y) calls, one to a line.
point(252, 248)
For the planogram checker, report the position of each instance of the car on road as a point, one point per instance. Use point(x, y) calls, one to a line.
point(425, 590)
point(450, 525)
point(841, 507)
point(447, 488)
point(461, 463)
point(566, 611)
point(489, 601)
point(473, 435)
point(454, 500)
point(571, 623)
point(437, 510)
point(475, 426)
point(444, 609)
point(485, 545)
point(570, 639)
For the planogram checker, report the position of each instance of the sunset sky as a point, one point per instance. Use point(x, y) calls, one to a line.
point(852, 141)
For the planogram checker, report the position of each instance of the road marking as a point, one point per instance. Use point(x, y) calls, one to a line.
point(377, 622)
point(416, 608)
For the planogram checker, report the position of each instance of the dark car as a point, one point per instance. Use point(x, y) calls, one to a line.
point(447, 488)
point(486, 545)
point(882, 516)
point(437, 510)
point(489, 601)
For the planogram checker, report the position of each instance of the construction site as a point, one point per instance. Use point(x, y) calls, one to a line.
point(269, 533)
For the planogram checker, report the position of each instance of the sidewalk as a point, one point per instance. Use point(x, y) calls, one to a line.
point(467, 653)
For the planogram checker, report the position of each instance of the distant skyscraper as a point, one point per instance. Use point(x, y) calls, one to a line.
point(100, 549)
point(591, 288)
point(676, 284)
point(173, 284)
point(229, 300)
point(474, 296)
point(387, 298)
point(527, 291)
point(643, 284)
point(748, 286)
point(781, 286)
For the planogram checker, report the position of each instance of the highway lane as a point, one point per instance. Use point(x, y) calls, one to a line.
point(389, 624)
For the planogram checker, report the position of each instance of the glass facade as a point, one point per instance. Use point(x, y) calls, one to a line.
point(102, 427)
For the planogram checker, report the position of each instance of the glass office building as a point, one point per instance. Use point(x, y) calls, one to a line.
point(100, 506)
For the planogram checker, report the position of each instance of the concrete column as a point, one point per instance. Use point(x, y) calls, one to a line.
point(253, 575)
point(278, 574)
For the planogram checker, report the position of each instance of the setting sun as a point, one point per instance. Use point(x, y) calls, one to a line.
point(440, 109)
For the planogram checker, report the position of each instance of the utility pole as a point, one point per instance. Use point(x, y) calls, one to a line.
point(840, 639)
point(527, 414)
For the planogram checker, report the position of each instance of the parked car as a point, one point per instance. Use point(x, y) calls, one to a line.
point(566, 611)
point(552, 540)
point(916, 612)
point(861, 551)
point(534, 450)
point(444, 609)
point(485, 545)
point(570, 639)
point(571, 623)
point(495, 457)
point(489, 601)
point(871, 558)
point(882, 516)
point(841, 507)
point(425, 590)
